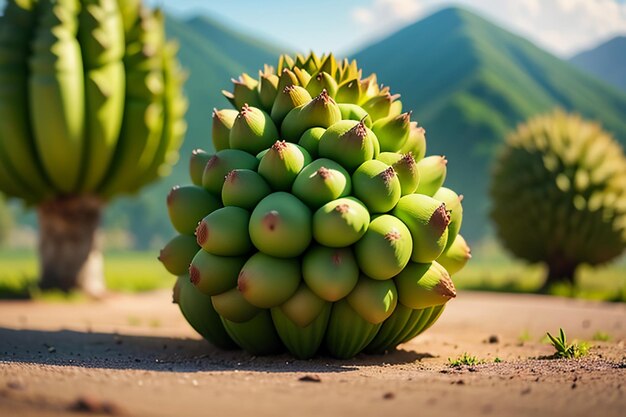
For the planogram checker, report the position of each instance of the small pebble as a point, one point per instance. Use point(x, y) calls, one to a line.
point(310, 378)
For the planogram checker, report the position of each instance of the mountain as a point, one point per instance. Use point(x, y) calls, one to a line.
point(606, 61)
point(212, 54)
point(469, 82)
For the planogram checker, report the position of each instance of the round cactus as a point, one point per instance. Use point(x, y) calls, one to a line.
point(559, 195)
point(317, 172)
point(91, 106)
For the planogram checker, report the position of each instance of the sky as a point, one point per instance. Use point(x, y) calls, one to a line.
point(563, 27)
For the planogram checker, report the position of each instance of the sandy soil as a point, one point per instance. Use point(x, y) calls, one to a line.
point(135, 356)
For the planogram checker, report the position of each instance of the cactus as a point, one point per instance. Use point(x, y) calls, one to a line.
point(318, 172)
point(559, 195)
point(91, 107)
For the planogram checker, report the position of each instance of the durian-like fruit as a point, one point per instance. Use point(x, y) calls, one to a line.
point(558, 195)
point(325, 227)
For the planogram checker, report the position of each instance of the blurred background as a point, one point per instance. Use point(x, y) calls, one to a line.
point(470, 71)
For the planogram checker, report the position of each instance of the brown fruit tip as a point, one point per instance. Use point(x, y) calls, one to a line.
point(444, 160)
point(171, 196)
point(194, 275)
point(440, 218)
point(359, 130)
point(324, 97)
point(342, 208)
point(388, 175)
point(279, 146)
point(244, 110)
point(288, 89)
point(231, 176)
point(461, 197)
point(445, 287)
point(242, 282)
point(409, 160)
point(337, 259)
point(271, 220)
point(213, 161)
point(393, 235)
point(324, 173)
point(202, 233)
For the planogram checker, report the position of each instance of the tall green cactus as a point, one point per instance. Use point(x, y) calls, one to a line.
point(91, 107)
point(559, 195)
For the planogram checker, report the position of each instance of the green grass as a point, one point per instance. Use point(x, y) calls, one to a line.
point(124, 271)
point(568, 351)
point(493, 270)
point(464, 360)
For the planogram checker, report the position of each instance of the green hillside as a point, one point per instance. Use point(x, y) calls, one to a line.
point(606, 61)
point(469, 82)
point(212, 54)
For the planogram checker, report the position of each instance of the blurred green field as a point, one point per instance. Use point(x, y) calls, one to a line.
point(489, 270)
point(128, 271)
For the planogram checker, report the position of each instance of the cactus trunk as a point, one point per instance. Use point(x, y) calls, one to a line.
point(69, 246)
point(560, 271)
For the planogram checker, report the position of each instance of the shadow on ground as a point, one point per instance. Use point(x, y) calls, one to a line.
point(163, 354)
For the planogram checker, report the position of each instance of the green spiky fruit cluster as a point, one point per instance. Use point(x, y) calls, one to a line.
point(559, 194)
point(318, 222)
point(90, 98)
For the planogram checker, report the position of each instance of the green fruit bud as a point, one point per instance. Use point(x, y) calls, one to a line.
point(329, 65)
point(302, 75)
point(322, 111)
point(280, 225)
point(349, 91)
point(348, 142)
point(245, 91)
point(197, 162)
point(405, 167)
point(187, 205)
point(395, 109)
point(233, 307)
point(244, 188)
point(322, 81)
point(416, 142)
point(282, 163)
point(373, 300)
point(222, 124)
point(456, 256)
point(266, 282)
point(385, 249)
point(303, 307)
point(340, 222)
point(377, 185)
point(379, 106)
point(321, 181)
point(392, 132)
point(178, 253)
point(331, 273)
point(267, 90)
point(213, 274)
point(427, 220)
point(454, 207)
point(252, 131)
point(424, 285)
point(288, 99)
point(287, 78)
point(350, 111)
point(224, 232)
point(432, 171)
point(221, 164)
point(310, 140)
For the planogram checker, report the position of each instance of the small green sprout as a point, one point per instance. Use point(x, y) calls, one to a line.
point(497, 360)
point(563, 350)
point(601, 336)
point(464, 360)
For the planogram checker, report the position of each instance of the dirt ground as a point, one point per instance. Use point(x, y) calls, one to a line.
point(135, 356)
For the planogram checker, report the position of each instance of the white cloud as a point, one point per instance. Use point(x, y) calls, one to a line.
point(561, 26)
